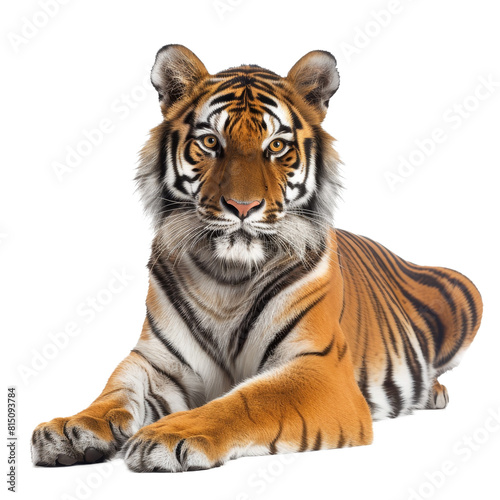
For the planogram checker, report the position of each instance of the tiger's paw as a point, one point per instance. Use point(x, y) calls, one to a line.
point(439, 397)
point(172, 445)
point(79, 439)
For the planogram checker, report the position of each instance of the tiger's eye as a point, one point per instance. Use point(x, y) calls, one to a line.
point(276, 146)
point(210, 141)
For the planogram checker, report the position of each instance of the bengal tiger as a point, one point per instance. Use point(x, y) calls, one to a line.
point(267, 330)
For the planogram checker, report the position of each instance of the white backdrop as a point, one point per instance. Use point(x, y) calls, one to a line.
point(417, 123)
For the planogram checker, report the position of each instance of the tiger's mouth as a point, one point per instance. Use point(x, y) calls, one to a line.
point(250, 243)
point(237, 230)
point(224, 243)
point(239, 219)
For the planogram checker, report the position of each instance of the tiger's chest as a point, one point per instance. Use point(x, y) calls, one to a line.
point(225, 329)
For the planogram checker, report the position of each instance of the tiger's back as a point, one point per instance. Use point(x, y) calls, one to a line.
point(405, 325)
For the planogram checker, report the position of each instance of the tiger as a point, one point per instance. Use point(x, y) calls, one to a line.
point(268, 330)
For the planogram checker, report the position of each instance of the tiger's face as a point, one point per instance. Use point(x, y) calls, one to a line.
point(241, 162)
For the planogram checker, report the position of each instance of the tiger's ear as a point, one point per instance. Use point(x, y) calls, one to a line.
point(176, 70)
point(316, 78)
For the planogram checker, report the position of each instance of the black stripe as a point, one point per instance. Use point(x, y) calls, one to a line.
point(47, 435)
point(267, 75)
point(154, 411)
point(282, 281)
point(339, 260)
point(162, 157)
point(162, 403)
point(411, 358)
point(297, 185)
point(424, 311)
point(167, 344)
point(361, 432)
point(179, 179)
point(204, 337)
point(169, 376)
point(415, 368)
point(189, 118)
point(65, 432)
point(285, 331)
point(322, 353)
point(341, 442)
point(190, 104)
point(174, 143)
point(178, 450)
point(296, 120)
point(147, 450)
point(231, 96)
point(266, 100)
point(187, 154)
point(317, 441)
point(342, 352)
point(171, 288)
point(169, 203)
point(246, 406)
point(159, 400)
point(270, 112)
point(303, 440)
point(272, 445)
point(392, 391)
point(285, 129)
point(423, 278)
point(463, 334)
point(436, 329)
point(454, 282)
point(218, 110)
point(363, 373)
point(120, 439)
point(370, 277)
point(307, 151)
point(131, 446)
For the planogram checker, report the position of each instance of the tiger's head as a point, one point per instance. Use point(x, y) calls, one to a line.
point(240, 167)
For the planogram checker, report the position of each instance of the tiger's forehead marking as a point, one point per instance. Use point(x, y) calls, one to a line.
point(245, 101)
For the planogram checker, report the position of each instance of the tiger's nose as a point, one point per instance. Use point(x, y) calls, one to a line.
point(240, 208)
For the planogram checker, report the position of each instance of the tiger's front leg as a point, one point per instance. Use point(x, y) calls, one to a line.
point(312, 402)
point(137, 393)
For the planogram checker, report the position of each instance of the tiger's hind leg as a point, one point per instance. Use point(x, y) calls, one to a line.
point(455, 314)
point(438, 396)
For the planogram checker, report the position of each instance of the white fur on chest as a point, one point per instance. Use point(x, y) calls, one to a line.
point(221, 309)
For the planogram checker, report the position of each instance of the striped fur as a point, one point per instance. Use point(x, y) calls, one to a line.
point(267, 330)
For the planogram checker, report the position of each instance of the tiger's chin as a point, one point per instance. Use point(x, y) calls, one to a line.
point(240, 249)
